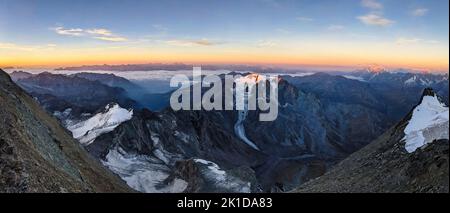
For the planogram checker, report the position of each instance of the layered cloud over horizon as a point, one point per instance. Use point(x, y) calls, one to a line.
point(406, 33)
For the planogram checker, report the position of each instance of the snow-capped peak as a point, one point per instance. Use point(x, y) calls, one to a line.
point(429, 122)
point(251, 78)
point(411, 80)
point(106, 121)
point(376, 69)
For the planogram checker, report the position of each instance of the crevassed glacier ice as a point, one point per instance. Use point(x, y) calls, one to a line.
point(142, 173)
point(86, 131)
point(429, 122)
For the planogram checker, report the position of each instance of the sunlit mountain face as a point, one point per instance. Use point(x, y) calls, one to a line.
point(359, 88)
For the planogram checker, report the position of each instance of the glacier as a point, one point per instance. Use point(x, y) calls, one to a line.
point(239, 128)
point(220, 178)
point(86, 131)
point(429, 122)
point(142, 173)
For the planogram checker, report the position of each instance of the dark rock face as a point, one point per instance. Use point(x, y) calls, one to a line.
point(357, 112)
point(299, 145)
point(386, 166)
point(318, 125)
point(360, 111)
point(38, 155)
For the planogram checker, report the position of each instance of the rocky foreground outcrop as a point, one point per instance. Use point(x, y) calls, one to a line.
point(38, 155)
